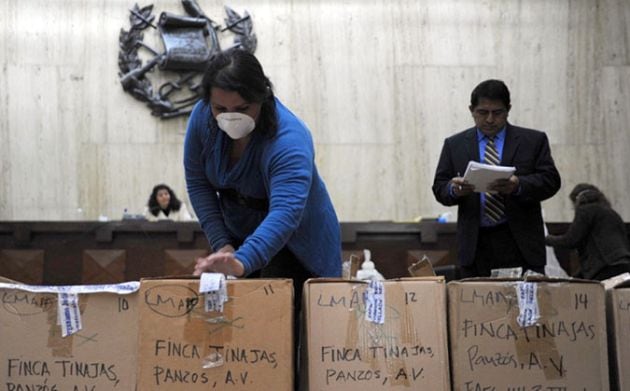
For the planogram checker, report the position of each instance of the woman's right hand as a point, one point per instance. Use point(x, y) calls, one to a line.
point(220, 262)
point(228, 248)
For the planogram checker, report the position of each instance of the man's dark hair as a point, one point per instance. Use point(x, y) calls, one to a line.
point(490, 89)
point(154, 206)
point(240, 71)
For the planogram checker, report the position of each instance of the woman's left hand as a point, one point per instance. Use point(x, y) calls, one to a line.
point(220, 262)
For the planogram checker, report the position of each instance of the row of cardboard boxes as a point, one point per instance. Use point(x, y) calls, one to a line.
point(416, 334)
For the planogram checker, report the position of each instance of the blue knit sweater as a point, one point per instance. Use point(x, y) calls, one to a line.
point(280, 169)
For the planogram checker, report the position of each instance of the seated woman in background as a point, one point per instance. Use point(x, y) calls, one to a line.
point(598, 233)
point(164, 205)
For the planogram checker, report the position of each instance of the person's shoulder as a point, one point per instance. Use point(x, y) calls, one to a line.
point(292, 137)
point(183, 214)
point(287, 119)
point(200, 107)
point(198, 128)
point(291, 129)
point(463, 134)
point(199, 114)
point(526, 131)
point(148, 215)
point(593, 209)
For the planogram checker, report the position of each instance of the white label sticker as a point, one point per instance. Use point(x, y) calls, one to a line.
point(375, 302)
point(527, 303)
point(215, 291)
point(68, 313)
point(121, 289)
point(210, 282)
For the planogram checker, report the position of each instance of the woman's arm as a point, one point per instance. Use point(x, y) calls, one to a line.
point(577, 232)
point(288, 167)
point(202, 194)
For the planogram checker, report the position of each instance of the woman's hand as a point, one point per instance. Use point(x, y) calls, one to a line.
point(220, 262)
point(228, 248)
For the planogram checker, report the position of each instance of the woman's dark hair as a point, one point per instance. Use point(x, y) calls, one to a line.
point(585, 193)
point(239, 71)
point(490, 89)
point(154, 206)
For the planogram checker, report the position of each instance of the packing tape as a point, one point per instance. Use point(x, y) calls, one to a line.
point(121, 289)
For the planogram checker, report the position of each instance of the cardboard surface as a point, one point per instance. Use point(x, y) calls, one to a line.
point(618, 312)
point(344, 351)
point(34, 355)
point(566, 350)
point(250, 344)
point(422, 268)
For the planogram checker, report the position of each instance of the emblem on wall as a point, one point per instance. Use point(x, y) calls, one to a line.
point(188, 43)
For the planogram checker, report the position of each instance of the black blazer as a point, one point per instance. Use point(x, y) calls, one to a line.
point(528, 151)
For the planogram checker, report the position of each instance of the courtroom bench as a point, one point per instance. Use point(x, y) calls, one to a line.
point(89, 252)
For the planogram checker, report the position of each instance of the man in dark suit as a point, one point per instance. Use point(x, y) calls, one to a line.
point(504, 227)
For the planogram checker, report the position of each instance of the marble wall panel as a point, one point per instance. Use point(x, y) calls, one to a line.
point(379, 83)
point(5, 162)
point(129, 172)
point(614, 17)
point(5, 10)
point(91, 198)
point(577, 164)
point(530, 37)
point(615, 95)
point(42, 142)
point(431, 104)
point(361, 180)
point(450, 33)
point(341, 81)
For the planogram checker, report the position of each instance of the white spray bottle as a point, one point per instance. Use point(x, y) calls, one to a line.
point(368, 270)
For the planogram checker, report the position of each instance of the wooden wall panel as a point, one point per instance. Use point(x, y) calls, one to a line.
point(91, 252)
point(181, 262)
point(103, 266)
point(26, 266)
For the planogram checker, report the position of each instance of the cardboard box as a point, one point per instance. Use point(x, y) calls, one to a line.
point(490, 350)
point(344, 351)
point(618, 313)
point(34, 355)
point(248, 346)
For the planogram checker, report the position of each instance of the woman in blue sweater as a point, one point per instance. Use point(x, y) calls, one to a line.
point(252, 180)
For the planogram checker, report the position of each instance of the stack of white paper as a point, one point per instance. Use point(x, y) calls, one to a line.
point(481, 175)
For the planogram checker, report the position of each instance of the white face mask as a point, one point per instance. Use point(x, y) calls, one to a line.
point(236, 125)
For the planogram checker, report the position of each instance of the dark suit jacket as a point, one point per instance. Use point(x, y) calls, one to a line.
point(528, 151)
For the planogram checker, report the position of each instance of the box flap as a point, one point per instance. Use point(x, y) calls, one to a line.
point(620, 281)
point(540, 278)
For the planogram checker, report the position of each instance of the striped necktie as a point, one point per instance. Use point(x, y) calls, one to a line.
point(494, 207)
